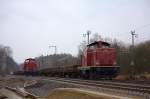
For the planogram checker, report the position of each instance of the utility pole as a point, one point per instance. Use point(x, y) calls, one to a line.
point(132, 61)
point(42, 61)
point(55, 48)
point(133, 35)
point(88, 36)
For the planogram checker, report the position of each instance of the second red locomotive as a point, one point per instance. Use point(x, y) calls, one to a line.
point(30, 66)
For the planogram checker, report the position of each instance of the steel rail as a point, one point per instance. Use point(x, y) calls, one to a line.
point(119, 86)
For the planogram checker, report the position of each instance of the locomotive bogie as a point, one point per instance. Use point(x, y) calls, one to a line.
point(99, 72)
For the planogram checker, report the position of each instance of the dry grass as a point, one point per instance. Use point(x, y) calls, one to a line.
point(74, 93)
point(145, 76)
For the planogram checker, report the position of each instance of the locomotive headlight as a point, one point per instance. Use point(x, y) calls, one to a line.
point(115, 63)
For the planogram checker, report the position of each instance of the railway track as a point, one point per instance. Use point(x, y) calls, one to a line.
point(12, 92)
point(16, 93)
point(112, 87)
point(128, 88)
point(22, 93)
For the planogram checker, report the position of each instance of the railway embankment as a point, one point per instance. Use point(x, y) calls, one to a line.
point(66, 88)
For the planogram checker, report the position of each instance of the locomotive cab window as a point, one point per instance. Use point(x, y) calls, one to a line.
point(32, 60)
point(105, 46)
point(26, 61)
point(92, 47)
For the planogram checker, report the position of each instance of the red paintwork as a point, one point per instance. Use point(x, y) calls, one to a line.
point(30, 65)
point(99, 54)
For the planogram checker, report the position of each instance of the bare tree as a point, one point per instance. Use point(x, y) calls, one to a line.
point(83, 44)
point(142, 57)
point(95, 37)
point(7, 64)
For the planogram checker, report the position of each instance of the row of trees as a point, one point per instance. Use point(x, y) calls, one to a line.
point(56, 60)
point(7, 64)
point(133, 60)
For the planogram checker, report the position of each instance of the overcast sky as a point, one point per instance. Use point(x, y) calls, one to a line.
point(30, 26)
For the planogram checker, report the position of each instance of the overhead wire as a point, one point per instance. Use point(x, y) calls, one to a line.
point(141, 27)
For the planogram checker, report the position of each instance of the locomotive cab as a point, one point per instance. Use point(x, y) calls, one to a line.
point(99, 61)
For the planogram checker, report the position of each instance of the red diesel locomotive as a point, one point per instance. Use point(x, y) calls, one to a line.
point(99, 61)
point(30, 66)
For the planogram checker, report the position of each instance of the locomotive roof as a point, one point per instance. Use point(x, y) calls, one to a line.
point(97, 42)
point(30, 59)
